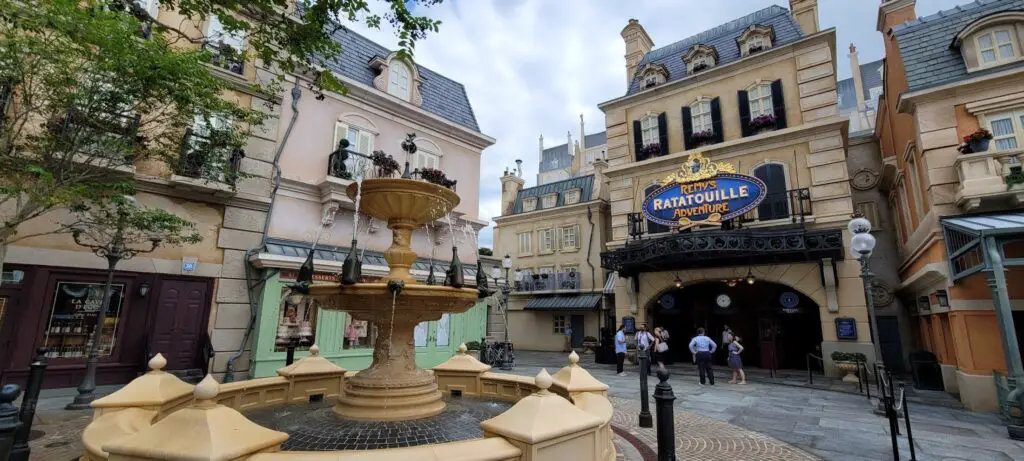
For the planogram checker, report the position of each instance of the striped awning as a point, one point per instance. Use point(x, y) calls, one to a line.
point(609, 285)
point(558, 303)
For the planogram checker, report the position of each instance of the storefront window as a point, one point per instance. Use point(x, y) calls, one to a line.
point(296, 320)
point(359, 334)
point(73, 318)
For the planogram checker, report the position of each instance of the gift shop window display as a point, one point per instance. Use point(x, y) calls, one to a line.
point(359, 334)
point(73, 319)
point(296, 321)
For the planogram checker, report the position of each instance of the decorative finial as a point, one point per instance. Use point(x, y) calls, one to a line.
point(574, 358)
point(853, 48)
point(207, 389)
point(543, 379)
point(158, 362)
point(314, 350)
point(463, 349)
point(662, 374)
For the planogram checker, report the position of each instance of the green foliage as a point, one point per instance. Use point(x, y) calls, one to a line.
point(589, 339)
point(473, 345)
point(838, 356)
point(120, 221)
point(485, 251)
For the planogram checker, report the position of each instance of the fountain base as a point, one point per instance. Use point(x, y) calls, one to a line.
point(369, 401)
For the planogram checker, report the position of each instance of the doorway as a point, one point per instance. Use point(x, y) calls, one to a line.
point(576, 323)
point(180, 322)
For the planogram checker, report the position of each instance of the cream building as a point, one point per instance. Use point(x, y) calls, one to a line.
point(572, 159)
point(757, 95)
point(555, 234)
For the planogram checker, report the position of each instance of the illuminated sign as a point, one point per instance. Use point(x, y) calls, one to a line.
point(703, 192)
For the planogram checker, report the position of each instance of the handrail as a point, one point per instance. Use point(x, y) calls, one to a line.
point(810, 376)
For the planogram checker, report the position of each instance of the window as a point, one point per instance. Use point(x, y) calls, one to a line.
point(756, 43)
point(760, 98)
point(398, 81)
point(526, 243)
point(650, 81)
point(776, 202)
point(425, 159)
point(996, 47)
point(915, 183)
point(905, 208)
point(358, 334)
point(649, 130)
point(547, 239)
point(149, 6)
point(530, 204)
point(895, 210)
point(559, 324)
point(700, 114)
point(73, 319)
point(572, 196)
point(546, 270)
point(570, 237)
point(215, 33)
point(550, 201)
point(1007, 129)
point(359, 140)
point(292, 317)
point(570, 268)
point(701, 62)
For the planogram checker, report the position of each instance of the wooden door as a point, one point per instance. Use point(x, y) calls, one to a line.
point(768, 341)
point(180, 322)
point(576, 323)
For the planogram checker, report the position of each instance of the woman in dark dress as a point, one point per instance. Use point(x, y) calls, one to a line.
point(735, 349)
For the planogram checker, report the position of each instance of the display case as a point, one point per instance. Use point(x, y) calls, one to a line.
point(73, 319)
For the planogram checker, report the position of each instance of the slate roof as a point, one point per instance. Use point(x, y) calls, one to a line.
point(282, 247)
point(595, 139)
point(723, 38)
point(925, 43)
point(560, 153)
point(584, 183)
point(577, 302)
point(442, 96)
point(870, 78)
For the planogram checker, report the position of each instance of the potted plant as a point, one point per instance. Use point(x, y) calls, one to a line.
point(976, 142)
point(755, 49)
point(700, 67)
point(473, 345)
point(650, 150)
point(589, 344)
point(848, 362)
point(762, 122)
point(701, 138)
point(385, 165)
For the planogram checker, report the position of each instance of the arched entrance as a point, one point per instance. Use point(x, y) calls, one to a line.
point(778, 325)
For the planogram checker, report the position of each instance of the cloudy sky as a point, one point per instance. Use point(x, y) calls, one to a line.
point(533, 66)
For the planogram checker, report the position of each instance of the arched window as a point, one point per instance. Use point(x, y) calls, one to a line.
point(398, 81)
point(653, 227)
point(776, 203)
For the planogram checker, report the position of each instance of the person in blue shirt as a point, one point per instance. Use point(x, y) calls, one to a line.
point(702, 347)
point(620, 350)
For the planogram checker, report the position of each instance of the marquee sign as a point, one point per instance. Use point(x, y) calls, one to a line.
point(703, 192)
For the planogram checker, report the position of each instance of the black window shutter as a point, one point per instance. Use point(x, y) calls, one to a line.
point(778, 105)
point(653, 227)
point(638, 141)
point(687, 128)
point(776, 203)
point(716, 121)
point(663, 133)
point(744, 113)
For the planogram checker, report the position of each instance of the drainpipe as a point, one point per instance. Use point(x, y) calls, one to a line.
point(229, 373)
point(590, 243)
point(1004, 315)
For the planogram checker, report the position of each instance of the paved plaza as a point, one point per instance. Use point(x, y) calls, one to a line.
point(722, 422)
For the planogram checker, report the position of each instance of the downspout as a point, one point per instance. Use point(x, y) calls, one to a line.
point(229, 373)
point(593, 275)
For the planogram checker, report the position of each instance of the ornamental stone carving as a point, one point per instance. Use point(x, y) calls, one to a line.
point(865, 179)
point(881, 293)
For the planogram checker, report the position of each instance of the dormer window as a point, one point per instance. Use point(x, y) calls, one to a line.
point(652, 75)
point(550, 201)
point(699, 58)
point(572, 196)
point(398, 80)
point(755, 39)
point(530, 204)
point(991, 41)
point(650, 81)
point(996, 47)
point(397, 77)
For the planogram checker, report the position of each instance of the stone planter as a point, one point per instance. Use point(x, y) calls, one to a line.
point(979, 145)
point(589, 346)
point(850, 368)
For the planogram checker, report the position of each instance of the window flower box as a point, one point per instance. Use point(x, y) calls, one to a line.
point(701, 138)
point(700, 67)
point(976, 142)
point(755, 49)
point(762, 122)
point(649, 151)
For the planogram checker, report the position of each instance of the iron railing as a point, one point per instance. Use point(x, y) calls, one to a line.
point(203, 158)
point(344, 163)
point(225, 56)
point(794, 205)
point(106, 135)
point(557, 281)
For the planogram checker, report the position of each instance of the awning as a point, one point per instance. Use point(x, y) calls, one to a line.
point(968, 239)
point(558, 303)
point(609, 285)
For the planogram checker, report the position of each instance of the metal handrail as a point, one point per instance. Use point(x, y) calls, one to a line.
point(810, 376)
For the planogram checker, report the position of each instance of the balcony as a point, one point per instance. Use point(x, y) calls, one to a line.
point(989, 177)
point(557, 282)
point(98, 140)
point(780, 208)
point(206, 165)
point(225, 57)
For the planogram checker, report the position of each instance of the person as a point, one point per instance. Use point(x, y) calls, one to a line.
point(620, 350)
point(568, 339)
point(644, 340)
point(660, 347)
point(735, 349)
point(727, 335)
point(702, 347)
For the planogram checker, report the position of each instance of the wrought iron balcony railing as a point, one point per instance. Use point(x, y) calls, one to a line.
point(225, 56)
point(344, 163)
point(551, 282)
point(106, 135)
point(204, 158)
point(793, 205)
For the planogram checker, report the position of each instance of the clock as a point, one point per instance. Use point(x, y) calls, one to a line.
point(668, 301)
point(723, 300)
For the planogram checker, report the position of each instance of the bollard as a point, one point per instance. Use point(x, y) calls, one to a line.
point(890, 413)
point(9, 422)
point(663, 398)
point(21, 450)
point(906, 418)
point(645, 407)
point(289, 352)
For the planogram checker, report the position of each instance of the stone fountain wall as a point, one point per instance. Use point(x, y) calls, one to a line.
point(159, 417)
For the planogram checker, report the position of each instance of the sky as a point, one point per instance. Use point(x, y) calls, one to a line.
point(531, 67)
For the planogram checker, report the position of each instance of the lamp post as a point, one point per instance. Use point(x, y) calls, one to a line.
point(507, 362)
point(114, 249)
point(862, 243)
point(291, 332)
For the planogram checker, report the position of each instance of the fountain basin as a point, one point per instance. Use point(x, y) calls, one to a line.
point(419, 202)
point(372, 301)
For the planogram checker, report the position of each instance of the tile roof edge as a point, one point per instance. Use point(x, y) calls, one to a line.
point(556, 182)
point(921, 21)
point(779, 10)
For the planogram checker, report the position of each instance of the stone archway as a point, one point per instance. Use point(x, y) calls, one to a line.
point(804, 278)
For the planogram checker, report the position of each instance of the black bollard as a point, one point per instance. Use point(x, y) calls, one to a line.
point(663, 398)
point(289, 352)
point(21, 450)
point(9, 422)
point(906, 416)
point(645, 407)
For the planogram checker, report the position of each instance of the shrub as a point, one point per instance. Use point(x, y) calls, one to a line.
point(839, 356)
point(473, 345)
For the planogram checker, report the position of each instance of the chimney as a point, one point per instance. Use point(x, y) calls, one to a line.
point(638, 44)
point(805, 13)
point(600, 191)
point(583, 136)
point(892, 12)
point(858, 82)
point(540, 157)
point(568, 142)
point(510, 187)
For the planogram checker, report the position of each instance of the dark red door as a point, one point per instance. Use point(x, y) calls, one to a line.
point(180, 322)
point(769, 352)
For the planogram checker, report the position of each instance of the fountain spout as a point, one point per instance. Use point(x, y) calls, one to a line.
point(395, 287)
point(351, 269)
point(454, 275)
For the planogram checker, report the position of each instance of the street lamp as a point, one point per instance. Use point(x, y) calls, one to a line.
point(291, 332)
point(862, 243)
point(507, 362)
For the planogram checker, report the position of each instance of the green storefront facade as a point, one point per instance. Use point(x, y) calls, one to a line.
point(346, 343)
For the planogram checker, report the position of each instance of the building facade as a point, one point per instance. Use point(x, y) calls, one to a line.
point(756, 96)
point(555, 234)
point(188, 303)
point(572, 159)
point(957, 206)
point(858, 95)
point(388, 99)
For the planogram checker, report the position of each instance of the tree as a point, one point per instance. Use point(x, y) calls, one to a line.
point(89, 90)
point(484, 251)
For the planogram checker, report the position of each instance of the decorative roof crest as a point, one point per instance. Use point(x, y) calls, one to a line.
point(698, 168)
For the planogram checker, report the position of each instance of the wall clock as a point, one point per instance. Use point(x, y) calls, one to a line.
point(789, 300)
point(723, 300)
point(667, 301)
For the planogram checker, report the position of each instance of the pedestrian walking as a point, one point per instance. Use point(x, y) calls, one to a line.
point(660, 347)
point(644, 341)
point(702, 347)
point(735, 362)
point(620, 350)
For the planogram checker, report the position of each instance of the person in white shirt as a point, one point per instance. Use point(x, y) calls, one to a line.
point(702, 347)
point(620, 350)
point(644, 340)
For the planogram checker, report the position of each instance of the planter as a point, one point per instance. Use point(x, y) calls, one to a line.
point(850, 368)
point(589, 346)
point(980, 145)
